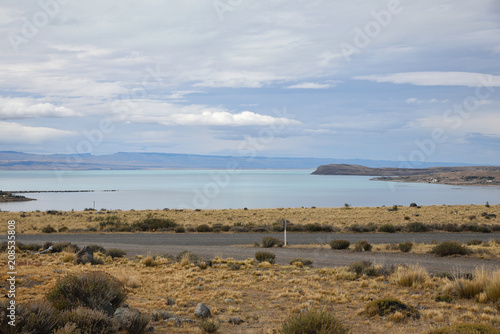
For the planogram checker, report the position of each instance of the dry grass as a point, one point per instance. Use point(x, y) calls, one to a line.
point(33, 222)
point(413, 275)
point(262, 295)
point(484, 287)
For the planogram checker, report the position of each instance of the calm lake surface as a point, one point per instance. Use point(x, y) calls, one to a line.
point(223, 189)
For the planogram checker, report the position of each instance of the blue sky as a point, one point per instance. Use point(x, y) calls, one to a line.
point(394, 80)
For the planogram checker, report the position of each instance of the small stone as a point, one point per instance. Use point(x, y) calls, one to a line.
point(236, 321)
point(202, 311)
point(228, 300)
point(201, 288)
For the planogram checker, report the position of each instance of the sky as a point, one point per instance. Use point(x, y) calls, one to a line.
point(409, 81)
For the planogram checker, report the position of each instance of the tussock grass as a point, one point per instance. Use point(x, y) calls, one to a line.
point(412, 275)
point(484, 286)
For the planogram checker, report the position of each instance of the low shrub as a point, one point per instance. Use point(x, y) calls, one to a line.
point(180, 229)
point(339, 244)
point(265, 257)
point(313, 322)
point(448, 248)
point(192, 257)
point(417, 227)
point(30, 247)
point(154, 223)
point(203, 228)
point(411, 276)
point(305, 262)
point(130, 319)
point(405, 247)
point(466, 329)
point(94, 289)
point(88, 320)
point(387, 228)
point(36, 317)
point(62, 229)
point(268, 242)
point(149, 261)
point(388, 306)
point(371, 227)
point(209, 326)
point(362, 246)
point(444, 299)
point(115, 252)
point(474, 242)
point(48, 229)
point(61, 246)
point(97, 248)
point(359, 267)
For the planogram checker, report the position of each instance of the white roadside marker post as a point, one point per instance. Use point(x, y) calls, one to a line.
point(284, 223)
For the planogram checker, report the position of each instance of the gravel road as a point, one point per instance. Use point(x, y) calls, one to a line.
point(225, 245)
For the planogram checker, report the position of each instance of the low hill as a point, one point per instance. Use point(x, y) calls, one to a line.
point(468, 175)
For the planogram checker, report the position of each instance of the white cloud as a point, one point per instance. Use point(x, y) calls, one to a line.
point(179, 95)
point(11, 133)
point(17, 108)
point(437, 79)
point(196, 115)
point(485, 123)
point(310, 85)
point(414, 100)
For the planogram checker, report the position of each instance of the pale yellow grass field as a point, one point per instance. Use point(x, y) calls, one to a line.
point(33, 222)
point(263, 295)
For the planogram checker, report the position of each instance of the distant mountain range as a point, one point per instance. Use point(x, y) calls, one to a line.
point(10, 160)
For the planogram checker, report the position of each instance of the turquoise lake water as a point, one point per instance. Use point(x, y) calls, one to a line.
point(222, 189)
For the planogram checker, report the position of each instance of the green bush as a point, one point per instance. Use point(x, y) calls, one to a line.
point(88, 320)
point(339, 244)
point(48, 229)
point(203, 228)
point(362, 246)
point(466, 329)
point(63, 229)
point(388, 306)
point(371, 227)
point(180, 229)
point(209, 326)
point(448, 248)
point(387, 228)
point(115, 252)
point(313, 322)
point(265, 256)
point(405, 247)
point(268, 242)
point(94, 289)
point(305, 262)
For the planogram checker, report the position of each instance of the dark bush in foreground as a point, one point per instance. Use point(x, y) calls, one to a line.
point(405, 247)
point(388, 306)
point(115, 252)
point(37, 317)
point(466, 329)
point(448, 248)
point(94, 289)
point(268, 242)
point(305, 262)
point(313, 322)
point(340, 244)
point(265, 256)
point(362, 246)
point(87, 320)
